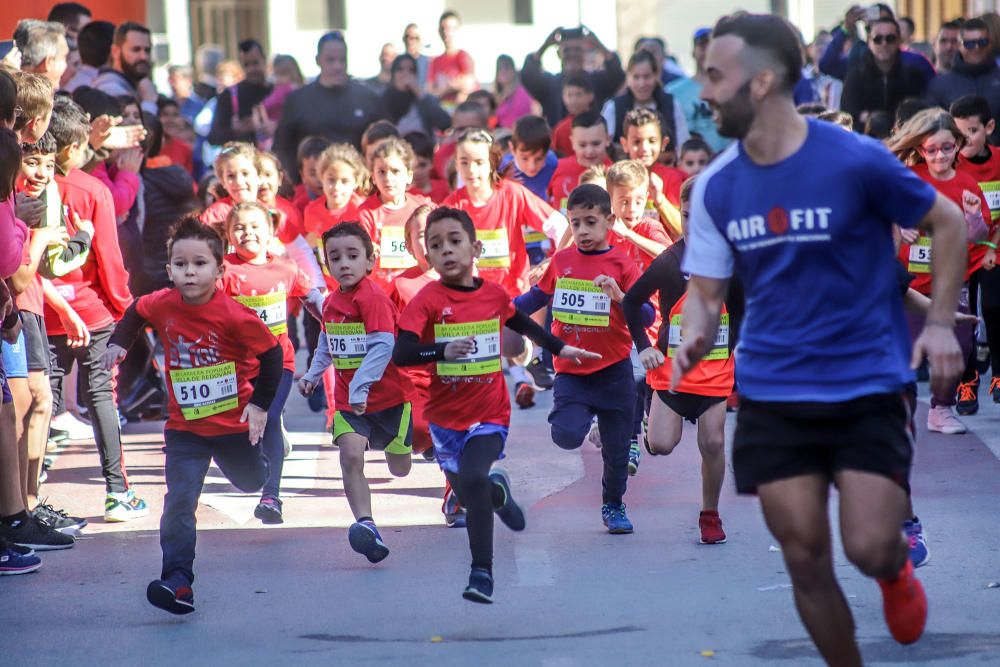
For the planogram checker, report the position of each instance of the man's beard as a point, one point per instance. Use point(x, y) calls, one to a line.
point(737, 115)
point(137, 71)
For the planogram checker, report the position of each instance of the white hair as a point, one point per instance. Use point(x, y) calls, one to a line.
point(38, 40)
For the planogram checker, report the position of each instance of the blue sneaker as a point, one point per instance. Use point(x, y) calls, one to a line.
point(480, 588)
point(17, 560)
point(615, 519)
point(125, 506)
point(364, 539)
point(509, 512)
point(919, 553)
point(454, 513)
point(170, 597)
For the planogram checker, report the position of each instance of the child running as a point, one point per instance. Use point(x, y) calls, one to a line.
point(384, 214)
point(223, 370)
point(700, 397)
point(456, 323)
point(643, 140)
point(586, 284)
point(264, 283)
point(372, 394)
point(499, 208)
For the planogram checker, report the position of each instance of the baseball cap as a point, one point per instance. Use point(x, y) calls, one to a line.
point(702, 34)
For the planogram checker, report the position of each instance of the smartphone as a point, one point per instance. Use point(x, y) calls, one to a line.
point(873, 13)
point(6, 46)
point(118, 138)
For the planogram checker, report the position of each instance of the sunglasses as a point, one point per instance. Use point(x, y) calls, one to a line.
point(980, 43)
point(944, 149)
point(885, 39)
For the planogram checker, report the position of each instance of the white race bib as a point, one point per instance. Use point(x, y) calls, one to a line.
point(272, 309)
point(920, 256)
point(485, 356)
point(348, 343)
point(581, 302)
point(206, 391)
point(392, 249)
point(496, 248)
point(720, 346)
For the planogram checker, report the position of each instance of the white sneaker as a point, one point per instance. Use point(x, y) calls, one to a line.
point(120, 507)
point(941, 419)
point(78, 430)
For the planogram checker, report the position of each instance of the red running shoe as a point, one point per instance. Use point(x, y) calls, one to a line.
point(711, 528)
point(525, 396)
point(905, 605)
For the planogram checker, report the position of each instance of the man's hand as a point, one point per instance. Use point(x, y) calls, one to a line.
point(112, 356)
point(610, 287)
point(100, 130)
point(258, 421)
point(29, 209)
point(651, 358)
point(937, 342)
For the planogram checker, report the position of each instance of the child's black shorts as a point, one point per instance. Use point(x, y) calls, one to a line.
point(688, 406)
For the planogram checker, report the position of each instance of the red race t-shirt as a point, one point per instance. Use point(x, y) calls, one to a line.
point(672, 180)
point(387, 228)
point(498, 226)
point(290, 224)
point(31, 300)
point(470, 390)
point(348, 317)
point(987, 175)
point(404, 287)
point(564, 180)
point(583, 315)
point(714, 375)
point(265, 289)
point(216, 214)
point(562, 142)
point(917, 257)
point(211, 354)
point(317, 219)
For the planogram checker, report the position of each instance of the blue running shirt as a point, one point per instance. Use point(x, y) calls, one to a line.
point(811, 237)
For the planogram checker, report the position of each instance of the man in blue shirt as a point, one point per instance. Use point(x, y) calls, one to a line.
point(824, 353)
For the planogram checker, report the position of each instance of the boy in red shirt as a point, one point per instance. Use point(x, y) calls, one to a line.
point(307, 158)
point(98, 292)
point(700, 397)
point(223, 369)
point(586, 285)
point(590, 147)
point(265, 283)
point(982, 161)
point(424, 181)
point(372, 394)
point(456, 324)
point(578, 98)
point(643, 140)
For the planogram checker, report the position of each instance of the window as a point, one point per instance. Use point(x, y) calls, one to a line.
point(321, 14)
point(498, 11)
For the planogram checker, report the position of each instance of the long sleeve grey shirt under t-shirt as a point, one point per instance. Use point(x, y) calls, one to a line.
point(379, 347)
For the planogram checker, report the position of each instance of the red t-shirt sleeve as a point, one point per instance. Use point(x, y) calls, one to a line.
point(377, 312)
point(654, 232)
point(301, 284)
point(630, 274)
point(533, 211)
point(547, 283)
point(290, 227)
point(416, 315)
point(146, 305)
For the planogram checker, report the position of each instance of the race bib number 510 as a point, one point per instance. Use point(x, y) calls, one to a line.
point(485, 356)
point(206, 391)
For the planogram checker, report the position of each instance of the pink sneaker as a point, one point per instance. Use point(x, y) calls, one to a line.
point(942, 420)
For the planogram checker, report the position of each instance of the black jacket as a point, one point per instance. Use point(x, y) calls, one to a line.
point(867, 89)
point(248, 95)
point(340, 114)
point(168, 195)
point(664, 104)
point(547, 88)
point(964, 79)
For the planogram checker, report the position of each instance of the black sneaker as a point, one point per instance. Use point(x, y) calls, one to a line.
point(166, 596)
point(36, 535)
point(968, 397)
point(509, 511)
point(268, 510)
point(58, 519)
point(480, 588)
point(540, 374)
point(57, 435)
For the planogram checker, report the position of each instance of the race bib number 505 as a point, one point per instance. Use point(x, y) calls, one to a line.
point(485, 356)
point(581, 302)
point(203, 392)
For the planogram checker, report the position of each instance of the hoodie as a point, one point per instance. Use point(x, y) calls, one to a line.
point(965, 79)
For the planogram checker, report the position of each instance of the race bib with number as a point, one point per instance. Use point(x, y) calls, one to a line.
point(392, 249)
point(348, 344)
point(206, 391)
point(272, 309)
point(485, 356)
point(991, 191)
point(581, 302)
point(720, 346)
point(920, 256)
point(535, 239)
point(496, 248)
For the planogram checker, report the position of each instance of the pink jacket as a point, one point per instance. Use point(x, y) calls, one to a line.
point(124, 186)
point(13, 235)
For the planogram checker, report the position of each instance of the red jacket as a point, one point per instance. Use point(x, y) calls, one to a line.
point(97, 291)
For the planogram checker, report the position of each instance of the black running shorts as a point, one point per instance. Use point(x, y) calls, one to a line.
point(775, 441)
